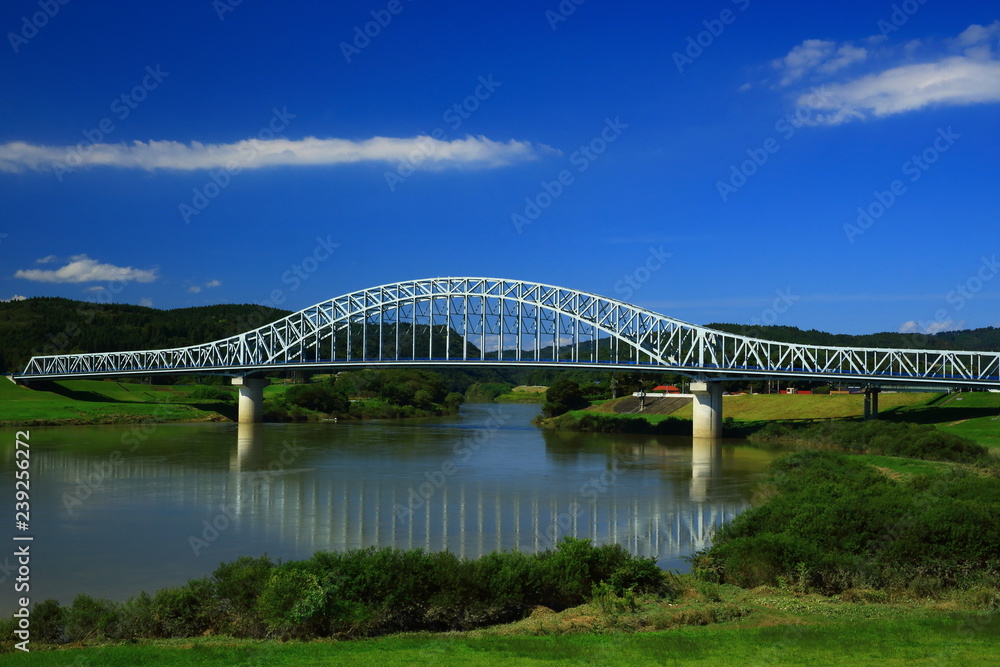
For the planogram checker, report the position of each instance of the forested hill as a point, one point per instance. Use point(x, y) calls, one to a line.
point(986, 339)
point(52, 325)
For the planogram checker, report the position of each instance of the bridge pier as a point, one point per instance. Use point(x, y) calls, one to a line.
point(871, 402)
point(251, 404)
point(707, 409)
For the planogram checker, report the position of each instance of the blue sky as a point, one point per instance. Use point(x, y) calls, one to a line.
point(829, 167)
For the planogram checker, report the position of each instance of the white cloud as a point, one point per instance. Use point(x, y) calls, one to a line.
point(956, 80)
point(932, 327)
point(16, 297)
point(82, 269)
point(47, 259)
point(146, 301)
point(195, 289)
point(976, 35)
point(816, 55)
point(250, 154)
point(965, 71)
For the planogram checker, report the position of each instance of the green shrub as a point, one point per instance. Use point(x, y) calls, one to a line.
point(236, 586)
point(291, 602)
point(642, 576)
point(832, 523)
point(48, 622)
point(182, 611)
point(318, 397)
point(90, 618)
point(137, 620)
point(213, 393)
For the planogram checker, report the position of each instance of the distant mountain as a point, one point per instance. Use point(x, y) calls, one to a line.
point(52, 325)
point(986, 339)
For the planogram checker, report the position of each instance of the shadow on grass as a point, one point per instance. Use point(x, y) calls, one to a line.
point(73, 394)
point(935, 415)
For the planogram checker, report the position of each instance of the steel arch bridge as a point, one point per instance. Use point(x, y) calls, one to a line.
point(495, 321)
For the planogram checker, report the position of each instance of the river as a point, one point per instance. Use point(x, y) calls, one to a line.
point(120, 509)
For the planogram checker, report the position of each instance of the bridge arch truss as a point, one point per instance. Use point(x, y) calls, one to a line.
point(487, 321)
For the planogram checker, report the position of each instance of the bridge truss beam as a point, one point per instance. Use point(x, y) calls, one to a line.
point(490, 321)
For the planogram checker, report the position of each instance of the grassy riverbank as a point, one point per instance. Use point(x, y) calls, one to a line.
point(101, 402)
point(974, 415)
point(792, 632)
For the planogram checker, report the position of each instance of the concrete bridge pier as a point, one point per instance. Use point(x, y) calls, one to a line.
point(251, 405)
point(707, 409)
point(871, 402)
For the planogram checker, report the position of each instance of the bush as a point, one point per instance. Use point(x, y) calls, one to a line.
point(48, 622)
point(562, 396)
point(181, 612)
point(641, 575)
point(90, 618)
point(878, 437)
point(290, 602)
point(832, 523)
point(213, 393)
point(367, 592)
point(318, 397)
point(137, 620)
point(236, 586)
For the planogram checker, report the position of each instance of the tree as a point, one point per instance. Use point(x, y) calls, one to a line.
point(564, 395)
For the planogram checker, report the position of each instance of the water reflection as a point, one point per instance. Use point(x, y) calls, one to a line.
point(290, 490)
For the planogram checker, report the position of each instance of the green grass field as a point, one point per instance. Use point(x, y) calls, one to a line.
point(975, 415)
point(791, 633)
point(98, 401)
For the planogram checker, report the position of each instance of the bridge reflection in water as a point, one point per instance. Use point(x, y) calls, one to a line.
point(292, 490)
point(471, 517)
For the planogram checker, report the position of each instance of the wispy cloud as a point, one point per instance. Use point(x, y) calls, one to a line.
point(964, 70)
point(195, 289)
point(16, 297)
point(933, 327)
point(82, 269)
point(251, 153)
point(817, 55)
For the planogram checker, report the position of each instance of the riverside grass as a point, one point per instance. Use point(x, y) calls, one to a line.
point(100, 402)
point(788, 630)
